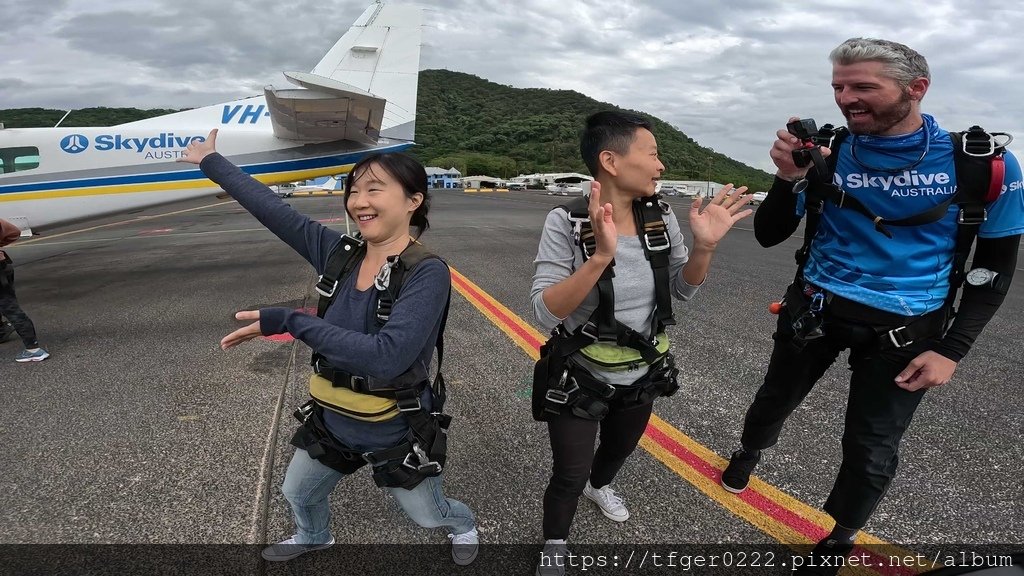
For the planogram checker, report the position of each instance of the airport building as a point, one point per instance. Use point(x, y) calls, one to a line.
point(542, 180)
point(443, 178)
point(482, 182)
point(703, 188)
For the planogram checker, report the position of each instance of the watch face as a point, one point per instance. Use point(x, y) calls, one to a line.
point(979, 276)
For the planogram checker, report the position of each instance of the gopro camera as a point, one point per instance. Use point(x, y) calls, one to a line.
point(805, 129)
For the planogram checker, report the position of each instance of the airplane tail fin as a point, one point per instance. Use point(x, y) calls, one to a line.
point(363, 89)
point(380, 54)
point(331, 184)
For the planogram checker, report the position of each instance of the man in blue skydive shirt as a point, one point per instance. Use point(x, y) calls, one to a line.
point(858, 285)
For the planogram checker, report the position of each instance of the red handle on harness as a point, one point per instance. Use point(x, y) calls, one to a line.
point(995, 187)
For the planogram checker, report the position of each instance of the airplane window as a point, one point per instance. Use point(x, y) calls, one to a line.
point(26, 163)
point(19, 159)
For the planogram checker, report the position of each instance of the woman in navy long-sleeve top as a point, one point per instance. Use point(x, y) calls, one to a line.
point(386, 194)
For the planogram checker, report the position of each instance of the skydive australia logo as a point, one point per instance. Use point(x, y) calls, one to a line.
point(74, 143)
point(907, 184)
point(163, 145)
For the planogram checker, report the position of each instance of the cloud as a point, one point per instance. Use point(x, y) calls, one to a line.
point(727, 74)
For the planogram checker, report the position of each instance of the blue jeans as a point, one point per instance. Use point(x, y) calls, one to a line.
point(308, 483)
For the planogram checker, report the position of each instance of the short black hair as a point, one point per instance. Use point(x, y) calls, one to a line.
point(409, 173)
point(608, 130)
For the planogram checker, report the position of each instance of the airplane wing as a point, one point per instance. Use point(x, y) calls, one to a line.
point(324, 110)
point(379, 58)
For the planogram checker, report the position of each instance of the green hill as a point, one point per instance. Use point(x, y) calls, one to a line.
point(485, 128)
point(481, 127)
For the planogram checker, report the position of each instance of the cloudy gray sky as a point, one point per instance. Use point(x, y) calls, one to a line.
point(727, 73)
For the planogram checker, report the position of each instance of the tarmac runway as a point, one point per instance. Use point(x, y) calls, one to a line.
point(140, 430)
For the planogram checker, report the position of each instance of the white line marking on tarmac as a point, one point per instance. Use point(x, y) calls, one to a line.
point(136, 219)
point(142, 236)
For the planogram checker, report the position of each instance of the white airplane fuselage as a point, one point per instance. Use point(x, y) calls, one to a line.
point(86, 172)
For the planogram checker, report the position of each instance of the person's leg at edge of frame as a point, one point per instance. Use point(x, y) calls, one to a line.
point(621, 431)
point(307, 485)
point(790, 376)
point(572, 453)
point(427, 506)
point(20, 321)
point(877, 415)
point(6, 329)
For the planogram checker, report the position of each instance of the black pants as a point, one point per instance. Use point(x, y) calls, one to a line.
point(572, 450)
point(878, 412)
point(10, 309)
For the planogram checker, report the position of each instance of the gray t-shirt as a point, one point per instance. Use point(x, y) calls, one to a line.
point(558, 256)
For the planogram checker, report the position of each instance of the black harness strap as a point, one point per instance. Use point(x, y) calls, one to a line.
point(978, 160)
point(340, 263)
point(602, 325)
point(657, 245)
point(974, 183)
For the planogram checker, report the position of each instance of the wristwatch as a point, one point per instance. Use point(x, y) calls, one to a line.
point(982, 277)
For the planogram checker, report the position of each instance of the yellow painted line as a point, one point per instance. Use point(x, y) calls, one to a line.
point(526, 336)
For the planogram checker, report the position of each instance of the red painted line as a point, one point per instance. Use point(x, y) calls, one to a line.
point(750, 496)
point(514, 326)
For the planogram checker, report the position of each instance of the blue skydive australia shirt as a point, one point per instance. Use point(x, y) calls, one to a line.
point(909, 273)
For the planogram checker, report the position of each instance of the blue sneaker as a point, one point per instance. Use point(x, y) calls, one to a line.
point(34, 355)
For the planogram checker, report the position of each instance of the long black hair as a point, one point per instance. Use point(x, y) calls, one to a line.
point(409, 173)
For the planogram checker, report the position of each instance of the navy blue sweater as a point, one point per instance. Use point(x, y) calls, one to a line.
point(348, 335)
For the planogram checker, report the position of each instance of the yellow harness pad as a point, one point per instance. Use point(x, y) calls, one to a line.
point(363, 407)
point(615, 358)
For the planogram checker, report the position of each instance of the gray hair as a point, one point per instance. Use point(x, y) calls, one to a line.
point(902, 63)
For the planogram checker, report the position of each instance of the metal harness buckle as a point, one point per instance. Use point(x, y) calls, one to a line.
point(326, 292)
point(589, 330)
point(561, 395)
point(407, 405)
point(662, 242)
point(897, 338)
point(964, 218)
point(425, 464)
point(977, 142)
point(357, 383)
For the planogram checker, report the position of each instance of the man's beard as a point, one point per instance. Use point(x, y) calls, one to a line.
point(883, 120)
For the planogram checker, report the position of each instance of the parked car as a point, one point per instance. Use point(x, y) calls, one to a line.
point(758, 198)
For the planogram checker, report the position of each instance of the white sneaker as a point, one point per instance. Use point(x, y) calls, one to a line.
point(552, 559)
point(288, 549)
point(465, 547)
point(608, 501)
